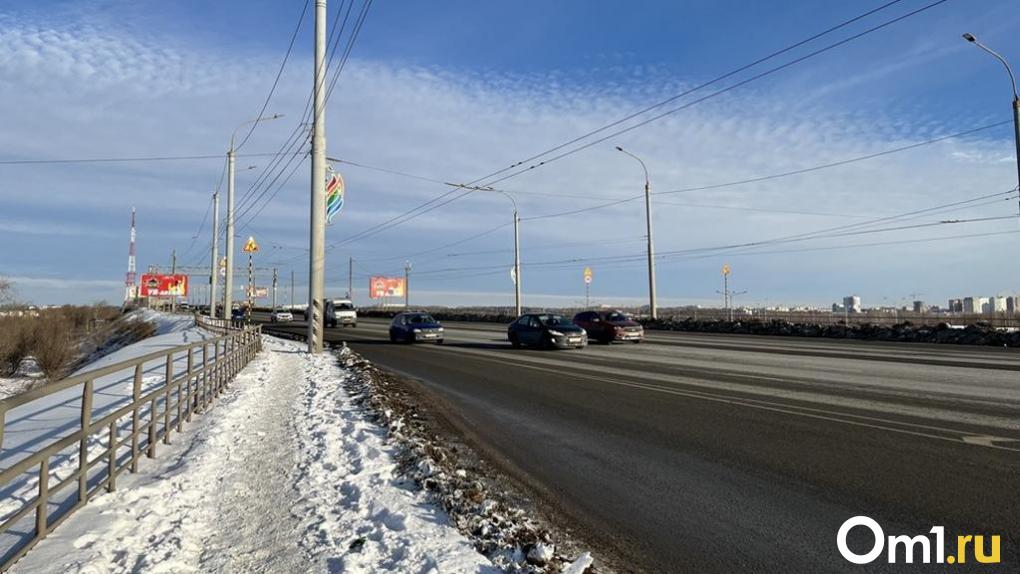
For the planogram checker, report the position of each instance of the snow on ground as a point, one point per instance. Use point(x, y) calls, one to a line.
point(42, 421)
point(283, 474)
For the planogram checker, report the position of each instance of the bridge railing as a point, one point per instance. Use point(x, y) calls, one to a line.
point(63, 443)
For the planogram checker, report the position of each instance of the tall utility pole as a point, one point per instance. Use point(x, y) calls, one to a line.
point(275, 281)
point(517, 240)
point(292, 287)
point(317, 240)
point(350, 279)
point(651, 248)
point(228, 284)
point(173, 271)
point(214, 264)
point(1016, 99)
point(407, 285)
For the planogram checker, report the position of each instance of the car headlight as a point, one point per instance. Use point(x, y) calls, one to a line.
point(555, 333)
point(417, 330)
point(440, 329)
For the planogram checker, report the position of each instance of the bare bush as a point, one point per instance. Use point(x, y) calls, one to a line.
point(53, 348)
point(15, 342)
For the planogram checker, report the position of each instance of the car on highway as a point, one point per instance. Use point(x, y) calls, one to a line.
point(415, 328)
point(281, 316)
point(546, 330)
point(237, 314)
point(610, 325)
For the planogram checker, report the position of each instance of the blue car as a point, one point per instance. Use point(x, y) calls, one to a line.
point(416, 328)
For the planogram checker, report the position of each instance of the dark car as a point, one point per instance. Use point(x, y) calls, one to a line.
point(238, 314)
point(416, 328)
point(546, 330)
point(608, 326)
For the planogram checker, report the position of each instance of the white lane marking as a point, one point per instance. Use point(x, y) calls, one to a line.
point(833, 416)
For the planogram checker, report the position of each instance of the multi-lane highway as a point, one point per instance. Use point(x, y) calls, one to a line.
point(709, 453)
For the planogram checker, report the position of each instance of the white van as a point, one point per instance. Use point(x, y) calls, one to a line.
point(346, 313)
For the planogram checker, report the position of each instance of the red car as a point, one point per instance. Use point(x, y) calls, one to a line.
point(608, 326)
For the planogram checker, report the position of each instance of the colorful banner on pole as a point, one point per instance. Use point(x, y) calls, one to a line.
point(334, 194)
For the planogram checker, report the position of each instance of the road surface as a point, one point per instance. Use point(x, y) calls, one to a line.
point(722, 453)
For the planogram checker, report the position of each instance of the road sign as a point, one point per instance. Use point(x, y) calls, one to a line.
point(223, 267)
point(587, 275)
point(250, 246)
point(726, 269)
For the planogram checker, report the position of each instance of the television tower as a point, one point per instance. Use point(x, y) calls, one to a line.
point(130, 286)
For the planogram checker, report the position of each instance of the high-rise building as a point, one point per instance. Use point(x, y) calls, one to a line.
point(996, 304)
point(968, 306)
point(955, 306)
point(919, 307)
point(852, 304)
point(1013, 305)
point(982, 305)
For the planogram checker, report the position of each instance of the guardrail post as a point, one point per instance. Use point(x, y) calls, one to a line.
point(151, 450)
point(187, 380)
point(83, 453)
point(42, 511)
point(111, 467)
point(136, 395)
point(166, 399)
point(3, 423)
point(190, 394)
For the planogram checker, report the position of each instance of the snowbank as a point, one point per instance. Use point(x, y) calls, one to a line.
point(38, 423)
point(283, 475)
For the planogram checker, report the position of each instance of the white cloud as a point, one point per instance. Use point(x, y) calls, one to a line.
point(104, 93)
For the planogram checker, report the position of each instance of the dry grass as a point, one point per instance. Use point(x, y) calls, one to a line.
point(53, 346)
point(16, 334)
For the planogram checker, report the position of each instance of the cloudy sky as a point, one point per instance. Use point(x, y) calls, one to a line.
point(456, 91)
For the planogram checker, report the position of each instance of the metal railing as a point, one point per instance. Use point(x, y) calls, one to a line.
point(88, 454)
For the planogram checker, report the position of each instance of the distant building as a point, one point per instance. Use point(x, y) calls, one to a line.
point(1013, 305)
point(982, 305)
point(919, 307)
point(852, 304)
point(955, 306)
point(996, 305)
point(968, 305)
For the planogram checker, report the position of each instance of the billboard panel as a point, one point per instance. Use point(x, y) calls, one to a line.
point(159, 285)
point(379, 287)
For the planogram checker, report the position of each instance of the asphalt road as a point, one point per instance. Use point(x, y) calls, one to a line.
point(716, 453)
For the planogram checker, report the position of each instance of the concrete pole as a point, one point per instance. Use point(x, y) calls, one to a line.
point(275, 281)
point(652, 308)
point(517, 262)
point(651, 250)
point(251, 288)
point(214, 265)
point(291, 286)
point(317, 240)
point(228, 281)
point(350, 279)
point(407, 286)
point(1016, 137)
point(173, 271)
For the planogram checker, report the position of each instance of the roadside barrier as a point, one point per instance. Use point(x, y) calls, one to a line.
point(53, 464)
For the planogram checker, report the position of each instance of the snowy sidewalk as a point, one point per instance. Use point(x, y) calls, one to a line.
point(282, 475)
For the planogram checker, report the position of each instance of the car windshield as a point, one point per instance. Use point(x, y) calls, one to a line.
point(617, 316)
point(345, 306)
point(554, 321)
point(420, 319)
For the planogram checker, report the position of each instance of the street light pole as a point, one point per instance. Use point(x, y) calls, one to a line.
point(651, 247)
point(317, 236)
point(228, 282)
point(214, 264)
point(1016, 99)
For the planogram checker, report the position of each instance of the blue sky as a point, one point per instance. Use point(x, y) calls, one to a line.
point(455, 90)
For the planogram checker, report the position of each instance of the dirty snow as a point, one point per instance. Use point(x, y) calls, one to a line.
point(284, 474)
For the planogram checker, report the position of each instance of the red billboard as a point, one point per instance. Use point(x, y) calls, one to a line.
point(379, 287)
point(158, 285)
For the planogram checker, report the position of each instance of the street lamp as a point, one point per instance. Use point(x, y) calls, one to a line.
point(651, 248)
point(517, 241)
point(1016, 98)
point(214, 265)
point(228, 282)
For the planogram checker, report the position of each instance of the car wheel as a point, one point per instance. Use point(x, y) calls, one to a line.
point(514, 342)
point(439, 342)
point(605, 340)
point(393, 338)
point(636, 341)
